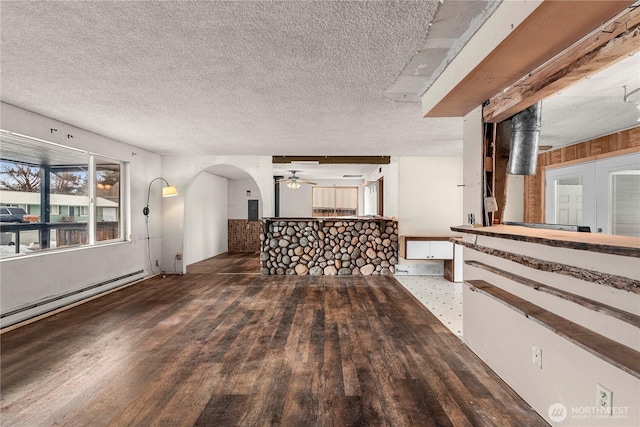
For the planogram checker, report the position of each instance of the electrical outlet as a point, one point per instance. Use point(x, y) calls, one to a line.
point(157, 264)
point(604, 399)
point(179, 257)
point(471, 218)
point(536, 356)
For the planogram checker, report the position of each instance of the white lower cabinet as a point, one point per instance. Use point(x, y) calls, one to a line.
point(429, 249)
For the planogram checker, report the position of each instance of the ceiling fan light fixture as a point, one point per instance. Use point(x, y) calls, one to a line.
point(294, 182)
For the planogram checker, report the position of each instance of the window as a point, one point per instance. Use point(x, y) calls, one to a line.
point(108, 197)
point(81, 193)
point(625, 202)
point(334, 201)
point(79, 211)
point(69, 185)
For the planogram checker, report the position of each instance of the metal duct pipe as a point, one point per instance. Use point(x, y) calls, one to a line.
point(525, 132)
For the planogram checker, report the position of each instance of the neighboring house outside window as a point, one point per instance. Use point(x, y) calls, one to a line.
point(58, 212)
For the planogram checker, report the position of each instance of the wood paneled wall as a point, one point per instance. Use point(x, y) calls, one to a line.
point(243, 235)
point(616, 144)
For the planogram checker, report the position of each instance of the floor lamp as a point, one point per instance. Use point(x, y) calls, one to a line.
point(167, 191)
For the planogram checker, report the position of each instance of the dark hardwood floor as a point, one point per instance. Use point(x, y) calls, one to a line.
point(222, 346)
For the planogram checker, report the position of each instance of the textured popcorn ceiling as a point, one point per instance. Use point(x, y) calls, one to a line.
point(265, 78)
point(226, 78)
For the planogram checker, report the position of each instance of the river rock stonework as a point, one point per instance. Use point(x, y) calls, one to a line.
point(329, 247)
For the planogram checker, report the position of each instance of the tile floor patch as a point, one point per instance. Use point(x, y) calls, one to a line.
point(440, 296)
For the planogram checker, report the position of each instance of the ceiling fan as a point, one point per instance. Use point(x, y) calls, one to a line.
point(294, 181)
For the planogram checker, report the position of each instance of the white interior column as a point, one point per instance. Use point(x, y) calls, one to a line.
point(472, 159)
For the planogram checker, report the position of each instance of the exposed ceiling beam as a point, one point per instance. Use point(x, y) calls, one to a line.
point(548, 30)
point(608, 44)
point(333, 160)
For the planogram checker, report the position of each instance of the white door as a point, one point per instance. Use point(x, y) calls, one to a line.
point(570, 195)
point(618, 195)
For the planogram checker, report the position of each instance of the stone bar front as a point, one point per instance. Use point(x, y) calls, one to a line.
point(329, 246)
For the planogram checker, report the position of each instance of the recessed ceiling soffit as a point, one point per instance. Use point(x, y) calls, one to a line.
point(453, 25)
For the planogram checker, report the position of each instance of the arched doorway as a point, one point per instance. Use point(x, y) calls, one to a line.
point(222, 206)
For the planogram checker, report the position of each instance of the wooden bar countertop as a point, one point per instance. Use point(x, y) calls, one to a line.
point(604, 243)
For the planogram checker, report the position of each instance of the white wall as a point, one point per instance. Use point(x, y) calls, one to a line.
point(295, 203)
point(472, 158)
point(391, 188)
point(514, 211)
point(370, 194)
point(26, 280)
point(206, 216)
point(390, 191)
point(429, 199)
point(238, 198)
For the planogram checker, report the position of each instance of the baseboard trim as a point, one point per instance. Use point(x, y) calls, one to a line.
point(54, 310)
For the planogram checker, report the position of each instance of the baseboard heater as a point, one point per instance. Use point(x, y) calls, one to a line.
point(67, 295)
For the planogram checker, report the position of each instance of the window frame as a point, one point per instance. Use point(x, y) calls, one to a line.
point(121, 208)
point(88, 212)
